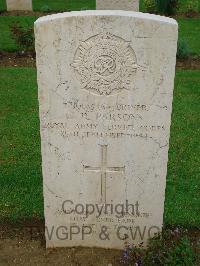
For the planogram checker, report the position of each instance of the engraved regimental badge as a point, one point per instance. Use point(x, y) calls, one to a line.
point(105, 64)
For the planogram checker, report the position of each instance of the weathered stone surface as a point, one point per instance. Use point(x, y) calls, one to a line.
point(19, 5)
point(129, 5)
point(105, 91)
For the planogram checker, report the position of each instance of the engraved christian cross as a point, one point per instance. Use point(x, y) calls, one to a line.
point(103, 169)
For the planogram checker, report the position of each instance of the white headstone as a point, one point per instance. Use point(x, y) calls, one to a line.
point(105, 91)
point(129, 5)
point(25, 5)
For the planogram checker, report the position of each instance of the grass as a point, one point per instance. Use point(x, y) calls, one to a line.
point(7, 43)
point(189, 30)
point(63, 5)
point(20, 168)
point(182, 7)
point(58, 5)
point(2, 5)
point(183, 182)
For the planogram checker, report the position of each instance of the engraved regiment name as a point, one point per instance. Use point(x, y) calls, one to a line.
point(105, 64)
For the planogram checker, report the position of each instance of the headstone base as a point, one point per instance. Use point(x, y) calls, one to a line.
point(129, 5)
point(21, 5)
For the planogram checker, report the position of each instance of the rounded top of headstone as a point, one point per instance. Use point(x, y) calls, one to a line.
point(139, 15)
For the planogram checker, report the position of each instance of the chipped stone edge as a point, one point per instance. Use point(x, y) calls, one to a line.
point(121, 13)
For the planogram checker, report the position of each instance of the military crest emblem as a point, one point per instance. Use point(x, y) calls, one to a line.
point(105, 64)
